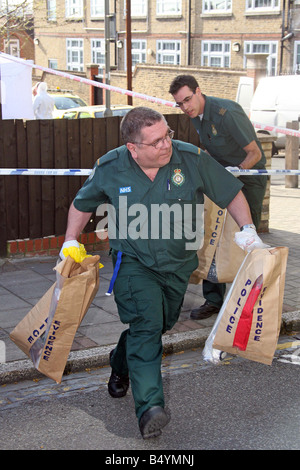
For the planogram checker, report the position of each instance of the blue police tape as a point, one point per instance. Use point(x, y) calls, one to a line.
point(265, 172)
point(87, 172)
point(44, 172)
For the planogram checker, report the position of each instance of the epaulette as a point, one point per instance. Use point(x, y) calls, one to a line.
point(187, 147)
point(109, 156)
point(222, 111)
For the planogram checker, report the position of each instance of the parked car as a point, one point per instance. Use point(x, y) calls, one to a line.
point(65, 101)
point(275, 101)
point(96, 111)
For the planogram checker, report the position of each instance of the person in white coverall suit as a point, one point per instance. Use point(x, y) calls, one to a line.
point(43, 103)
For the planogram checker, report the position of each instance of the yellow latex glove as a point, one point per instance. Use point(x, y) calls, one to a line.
point(78, 254)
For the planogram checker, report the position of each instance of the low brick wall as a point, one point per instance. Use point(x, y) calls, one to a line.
point(50, 246)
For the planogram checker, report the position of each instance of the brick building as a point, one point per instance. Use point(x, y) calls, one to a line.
point(16, 28)
point(219, 35)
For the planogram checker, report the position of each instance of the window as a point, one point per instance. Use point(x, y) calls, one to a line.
point(297, 57)
point(51, 10)
point(217, 6)
point(98, 51)
point(168, 7)
point(262, 5)
point(97, 8)
point(168, 52)
point(12, 47)
point(263, 47)
point(215, 53)
point(52, 64)
point(75, 54)
point(74, 8)
point(138, 52)
point(138, 8)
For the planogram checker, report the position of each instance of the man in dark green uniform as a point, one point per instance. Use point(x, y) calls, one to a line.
point(148, 173)
point(228, 136)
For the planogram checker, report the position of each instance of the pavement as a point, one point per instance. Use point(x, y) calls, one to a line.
point(24, 281)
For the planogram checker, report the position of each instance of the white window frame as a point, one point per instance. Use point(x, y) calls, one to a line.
point(162, 52)
point(250, 46)
point(296, 64)
point(12, 47)
point(140, 51)
point(70, 49)
point(52, 64)
point(98, 49)
point(208, 54)
point(251, 5)
point(51, 10)
point(139, 8)
point(74, 9)
point(211, 6)
point(168, 7)
point(97, 9)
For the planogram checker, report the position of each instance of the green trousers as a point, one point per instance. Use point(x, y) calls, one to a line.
point(150, 302)
point(254, 191)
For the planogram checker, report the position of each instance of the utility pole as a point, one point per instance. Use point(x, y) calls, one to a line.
point(128, 50)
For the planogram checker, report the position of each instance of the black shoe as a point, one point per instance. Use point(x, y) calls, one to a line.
point(152, 421)
point(205, 311)
point(117, 384)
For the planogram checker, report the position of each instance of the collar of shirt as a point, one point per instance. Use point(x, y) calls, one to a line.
point(125, 161)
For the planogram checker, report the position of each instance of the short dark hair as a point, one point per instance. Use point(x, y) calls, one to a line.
point(135, 120)
point(183, 80)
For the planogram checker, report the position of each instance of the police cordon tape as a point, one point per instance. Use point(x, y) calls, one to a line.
point(274, 129)
point(90, 82)
point(87, 172)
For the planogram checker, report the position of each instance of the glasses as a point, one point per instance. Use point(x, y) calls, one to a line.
point(159, 143)
point(179, 104)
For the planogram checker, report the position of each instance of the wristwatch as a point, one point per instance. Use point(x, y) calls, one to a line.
point(248, 226)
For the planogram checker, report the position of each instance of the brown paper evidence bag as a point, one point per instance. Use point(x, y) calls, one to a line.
point(220, 257)
point(47, 332)
point(246, 326)
point(249, 321)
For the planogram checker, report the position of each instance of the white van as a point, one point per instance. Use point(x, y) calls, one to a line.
point(275, 102)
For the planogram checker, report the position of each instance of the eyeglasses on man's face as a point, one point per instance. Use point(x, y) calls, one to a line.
point(179, 104)
point(157, 144)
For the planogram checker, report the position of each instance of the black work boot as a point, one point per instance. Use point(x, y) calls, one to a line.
point(152, 421)
point(117, 384)
point(204, 311)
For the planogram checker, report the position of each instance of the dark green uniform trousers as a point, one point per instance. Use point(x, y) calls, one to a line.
point(150, 303)
point(254, 190)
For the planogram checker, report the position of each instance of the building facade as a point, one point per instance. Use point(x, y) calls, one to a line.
point(69, 34)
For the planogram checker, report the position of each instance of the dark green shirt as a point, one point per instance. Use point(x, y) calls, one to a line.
point(225, 130)
point(134, 200)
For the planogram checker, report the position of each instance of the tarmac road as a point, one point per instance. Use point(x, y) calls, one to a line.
point(238, 404)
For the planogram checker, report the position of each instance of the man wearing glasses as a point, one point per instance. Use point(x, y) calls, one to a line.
point(151, 270)
point(227, 134)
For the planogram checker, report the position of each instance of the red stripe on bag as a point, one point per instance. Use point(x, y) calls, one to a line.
point(244, 325)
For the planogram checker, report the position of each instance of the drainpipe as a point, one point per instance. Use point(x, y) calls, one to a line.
point(282, 36)
point(189, 34)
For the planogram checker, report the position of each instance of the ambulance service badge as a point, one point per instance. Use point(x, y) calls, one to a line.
point(178, 178)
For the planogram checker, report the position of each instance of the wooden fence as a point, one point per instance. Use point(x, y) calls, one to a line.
point(37, 206)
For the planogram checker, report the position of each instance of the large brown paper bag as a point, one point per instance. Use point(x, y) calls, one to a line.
point(220, 257)
point(47, 332)
point(249, 321)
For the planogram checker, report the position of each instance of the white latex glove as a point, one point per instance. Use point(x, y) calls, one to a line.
point(229, 168)
point(248, 240)
point(68, 245)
